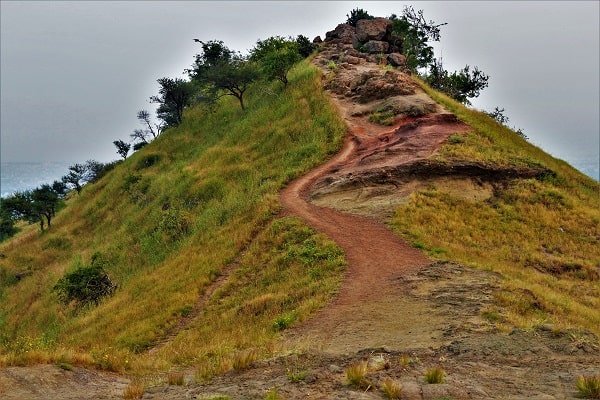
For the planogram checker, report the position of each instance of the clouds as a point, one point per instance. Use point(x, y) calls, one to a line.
point(74, 74)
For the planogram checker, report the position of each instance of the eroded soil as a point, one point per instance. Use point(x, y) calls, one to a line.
point(396, 309)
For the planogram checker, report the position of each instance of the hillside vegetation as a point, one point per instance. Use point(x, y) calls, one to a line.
point(541, 234)
point(166, 223)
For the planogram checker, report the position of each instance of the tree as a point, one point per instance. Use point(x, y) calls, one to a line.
point(75, 177)
point(461, 85)
point(356, 15)
point(153, 129)
point(305, 46)
point(122, 148)
point(44, 202)
point(173, 96)
point(80, 174)
point(7, 222)
point(416, 33)
point(222, 72)
point(276, 56)
point(38, 205)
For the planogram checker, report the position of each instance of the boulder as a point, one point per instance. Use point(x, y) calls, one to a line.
point(396, 60)
point(317, 40)
point(343, 33)
point(376, 46)
point(373, 29)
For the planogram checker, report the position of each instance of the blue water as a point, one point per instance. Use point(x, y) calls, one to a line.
point(19, 176)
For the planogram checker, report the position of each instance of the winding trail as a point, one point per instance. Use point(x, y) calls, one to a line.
point(362, 314)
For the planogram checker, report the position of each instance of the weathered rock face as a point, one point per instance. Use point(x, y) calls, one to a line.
point(396, 60)
point(343, 33)
point(373, 29)
point(376, 46)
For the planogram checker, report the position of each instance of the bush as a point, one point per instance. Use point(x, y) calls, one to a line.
point(589, 386)
point(435, 375)
point(86, 284)
point(356, 15)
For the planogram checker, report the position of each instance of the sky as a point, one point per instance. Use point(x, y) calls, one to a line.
point(74, 74)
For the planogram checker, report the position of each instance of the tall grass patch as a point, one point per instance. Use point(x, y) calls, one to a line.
point(542, 235)
point(170, 218)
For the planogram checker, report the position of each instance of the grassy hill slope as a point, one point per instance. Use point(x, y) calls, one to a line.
point(166, 223)
point(541, 234)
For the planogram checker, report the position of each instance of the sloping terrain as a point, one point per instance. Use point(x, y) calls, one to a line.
point(397, 309)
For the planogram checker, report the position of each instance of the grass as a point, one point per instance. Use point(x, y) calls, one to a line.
point(176, 378)
point(133, 391)
point(169, 220)
point(540, 234)
point(391, 388)
point(434, 375)
point(356, 375)
point(588, 387)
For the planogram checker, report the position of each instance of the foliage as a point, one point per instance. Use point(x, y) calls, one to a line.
point(589, 386)
point(498, 115)
point(122, 148)
point(173, 97)
point(356, 15)
point(81, 174)
point(434, 375)
point(539, 233)
point(222, 72)
point(276, 56)
point(86, 284)
point(391, 388)
point(150, 130)
point(356, 375)
point(305, 46)
point(212, 193)
point(416, 33)
point(461, 85)
point(37, 205)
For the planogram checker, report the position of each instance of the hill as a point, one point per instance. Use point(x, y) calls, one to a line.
point(489, 269)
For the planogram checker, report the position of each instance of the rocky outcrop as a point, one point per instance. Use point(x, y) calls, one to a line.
point(342, 34)
point(373, 29)
point(371, 36)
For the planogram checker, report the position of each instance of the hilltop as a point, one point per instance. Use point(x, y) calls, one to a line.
point(251, 268)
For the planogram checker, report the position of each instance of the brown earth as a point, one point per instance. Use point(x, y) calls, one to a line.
point(396, 308)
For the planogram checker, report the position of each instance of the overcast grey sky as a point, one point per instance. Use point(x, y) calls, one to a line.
point(74, 74)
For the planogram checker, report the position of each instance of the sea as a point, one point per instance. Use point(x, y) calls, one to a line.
point(20, 176)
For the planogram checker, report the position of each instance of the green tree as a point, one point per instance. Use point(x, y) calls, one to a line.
point(417, 33)
point(122, 148)
point(461, 85)
point(356, 15)
point(305, 46)
point(276, 57)
point(173, 96)
point(220, 71)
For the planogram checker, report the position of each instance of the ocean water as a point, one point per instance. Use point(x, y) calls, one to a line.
point(19, 176)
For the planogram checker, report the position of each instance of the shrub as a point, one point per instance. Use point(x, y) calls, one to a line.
point(356, 375)
point(134, 391)
point(435, 375)
point(391, 388)
point(87, 284)
point(176, 378)
point(589, 386)
point(356, 15)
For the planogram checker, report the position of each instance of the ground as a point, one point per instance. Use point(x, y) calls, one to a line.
point(398, 310)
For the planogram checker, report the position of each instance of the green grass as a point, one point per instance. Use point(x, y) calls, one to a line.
point(434, 375)
point(168, 221)
point(588, 387)
point(541, 235)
